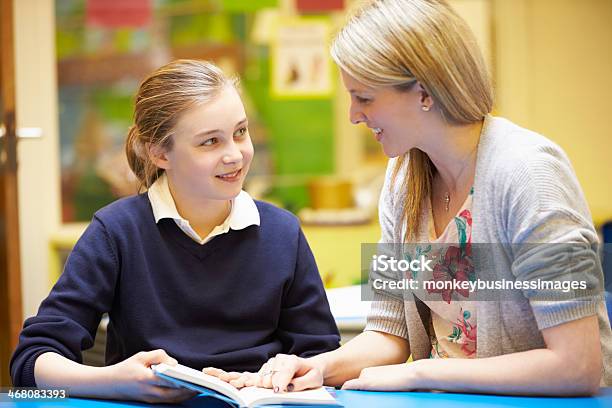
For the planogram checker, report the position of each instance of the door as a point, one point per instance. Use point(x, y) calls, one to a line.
point(10, 280)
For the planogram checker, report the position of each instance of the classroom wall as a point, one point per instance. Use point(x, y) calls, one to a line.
point(552, 61)
point(38, 159)
point(553, 73)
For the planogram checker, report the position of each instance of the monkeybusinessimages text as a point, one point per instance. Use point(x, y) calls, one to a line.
point(384, 263)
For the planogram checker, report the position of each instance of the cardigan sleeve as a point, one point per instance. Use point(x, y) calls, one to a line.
point(553, 239)
point(67, 319)
point(387, 315)
point(306, 326)
point(387, 311)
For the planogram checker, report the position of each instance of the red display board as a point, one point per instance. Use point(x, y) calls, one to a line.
point(118, 13)
point(316, 6)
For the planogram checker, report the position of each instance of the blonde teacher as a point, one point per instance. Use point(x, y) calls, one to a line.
point(458, 176)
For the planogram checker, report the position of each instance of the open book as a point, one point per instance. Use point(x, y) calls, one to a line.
point(245, 397)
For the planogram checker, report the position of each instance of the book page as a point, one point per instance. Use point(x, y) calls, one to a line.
point(197, 377)
point(253, 396)
point(249, 396)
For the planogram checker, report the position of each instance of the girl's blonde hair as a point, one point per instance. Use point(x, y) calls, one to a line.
point(161, 97)
point(399, 42)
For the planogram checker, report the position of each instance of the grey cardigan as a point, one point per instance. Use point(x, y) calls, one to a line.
point(525, 191)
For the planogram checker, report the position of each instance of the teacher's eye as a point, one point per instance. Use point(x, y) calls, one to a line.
point(240, 132)
point(209, 142)
point(362, 100)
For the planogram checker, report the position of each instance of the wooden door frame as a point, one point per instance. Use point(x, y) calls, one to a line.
point(11, 315)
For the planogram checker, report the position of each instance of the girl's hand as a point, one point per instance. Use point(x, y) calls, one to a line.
point(238, 380)
point(397, 377)
point(133, 379)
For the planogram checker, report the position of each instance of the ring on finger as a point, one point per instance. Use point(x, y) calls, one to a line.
point(267, 372)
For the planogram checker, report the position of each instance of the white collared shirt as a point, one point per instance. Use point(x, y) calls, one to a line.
point(244, 212)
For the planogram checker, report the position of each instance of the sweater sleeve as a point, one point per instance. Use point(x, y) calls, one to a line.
point(387, 309)
point(553, 239)
point(67, 319)
point(306, 325)
point(387, 315)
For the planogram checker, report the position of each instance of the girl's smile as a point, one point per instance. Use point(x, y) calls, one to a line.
point(231, 177)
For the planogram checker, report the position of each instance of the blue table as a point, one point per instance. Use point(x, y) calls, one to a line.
point(363, 399)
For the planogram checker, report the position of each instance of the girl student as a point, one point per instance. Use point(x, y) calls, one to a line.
point(192, 270)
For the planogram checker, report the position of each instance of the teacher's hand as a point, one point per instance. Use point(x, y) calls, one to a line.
point(282, 373)
point(397, 377)
point(292, 373)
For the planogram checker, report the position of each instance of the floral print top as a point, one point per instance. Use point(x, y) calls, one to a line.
point(453, 315)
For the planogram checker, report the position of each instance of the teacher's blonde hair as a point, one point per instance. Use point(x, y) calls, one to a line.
point(399, 42)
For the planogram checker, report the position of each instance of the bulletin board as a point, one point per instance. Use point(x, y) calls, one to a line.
point(301, 66)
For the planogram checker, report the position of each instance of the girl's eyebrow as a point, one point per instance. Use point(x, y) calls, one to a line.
point(242, 122)
point(210, 132)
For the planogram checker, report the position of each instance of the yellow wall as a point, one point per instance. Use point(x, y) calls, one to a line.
point(38, 159)
point(554, 75)
point(337, 250)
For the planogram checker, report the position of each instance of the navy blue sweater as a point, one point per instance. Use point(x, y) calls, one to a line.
point(232, 303)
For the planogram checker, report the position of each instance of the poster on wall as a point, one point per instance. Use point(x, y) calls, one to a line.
point(301, 66)
point(118, 13)
point(319, 6)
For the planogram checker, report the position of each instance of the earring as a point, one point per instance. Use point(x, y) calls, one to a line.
point(425, 108)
